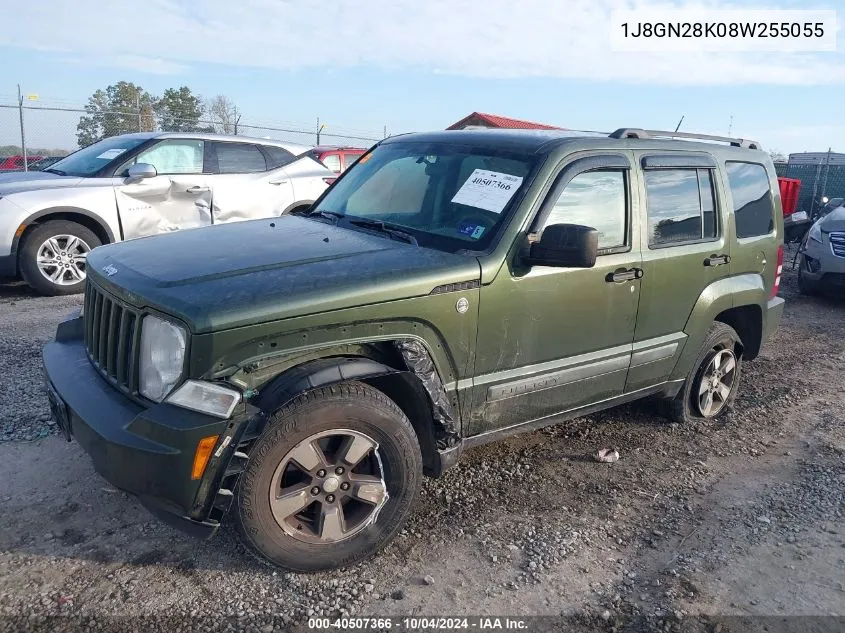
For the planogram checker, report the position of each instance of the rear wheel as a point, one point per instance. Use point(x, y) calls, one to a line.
point(711, 386)
point(331, 481)
point(53, 257)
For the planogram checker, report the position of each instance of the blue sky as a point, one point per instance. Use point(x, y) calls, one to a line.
point(410, 65)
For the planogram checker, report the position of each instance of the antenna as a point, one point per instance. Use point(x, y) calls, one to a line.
point(731, 125)
point(678, 127)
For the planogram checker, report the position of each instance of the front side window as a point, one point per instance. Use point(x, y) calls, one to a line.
point(172, 156)
point(239, 158)
point(681, 206)
point(332, 161)
point(448, 196)
point(596, 199)
point(752, 198)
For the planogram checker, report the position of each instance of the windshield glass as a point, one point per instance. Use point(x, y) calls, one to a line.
point(89, 160)
point(449, 197)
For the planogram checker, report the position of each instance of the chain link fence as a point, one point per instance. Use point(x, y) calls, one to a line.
point(51, 129)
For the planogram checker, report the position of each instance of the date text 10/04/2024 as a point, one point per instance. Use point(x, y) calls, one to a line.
point(418, 624)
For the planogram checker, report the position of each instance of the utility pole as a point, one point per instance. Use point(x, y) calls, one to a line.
point(138, 107)
point(23, 134)
point(385, 131)
point(731, 125)
point(320, 128)
point(826, 171)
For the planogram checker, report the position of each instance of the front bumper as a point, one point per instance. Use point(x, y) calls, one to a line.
point(147, 452)
point(827, 269)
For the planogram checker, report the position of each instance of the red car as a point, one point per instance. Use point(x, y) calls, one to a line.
point(338, 159)
point(15, 163)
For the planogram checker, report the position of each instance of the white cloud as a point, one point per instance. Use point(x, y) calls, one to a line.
point(139, 63)
point(494, 38)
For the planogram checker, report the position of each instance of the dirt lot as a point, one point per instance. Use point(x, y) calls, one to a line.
point(739, 518)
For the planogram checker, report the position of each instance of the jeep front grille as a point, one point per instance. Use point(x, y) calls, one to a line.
point(837, 244)
point(112, 336)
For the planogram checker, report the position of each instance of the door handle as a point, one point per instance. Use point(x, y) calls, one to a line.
point(197, 189)
point(623, 274)
point(280, 181)
point(717, 260)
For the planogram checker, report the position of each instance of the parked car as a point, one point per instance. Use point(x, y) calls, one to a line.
point(822, 253)
point(338, 159)
point(453, 288)
point(15, 163)
point(44, 163)
point(136, 185)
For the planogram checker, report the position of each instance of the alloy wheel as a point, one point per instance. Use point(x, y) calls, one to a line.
point(716, 383)
point(329, 487)
point(62, 259)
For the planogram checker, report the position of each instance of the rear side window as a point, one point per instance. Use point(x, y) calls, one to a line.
point(277, 156)
point(752, 197)
point(681, 206)
point(239, 158)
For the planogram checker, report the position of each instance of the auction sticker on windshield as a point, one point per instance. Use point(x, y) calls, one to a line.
point(487, 190)
point(111, 153)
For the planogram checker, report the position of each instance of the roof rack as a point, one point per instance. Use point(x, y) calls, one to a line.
point(625, 132)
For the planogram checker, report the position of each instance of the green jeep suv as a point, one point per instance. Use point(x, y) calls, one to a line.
point(304, 372)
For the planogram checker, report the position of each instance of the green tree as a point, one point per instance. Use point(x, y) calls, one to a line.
point(179, 110)
point(119, 109)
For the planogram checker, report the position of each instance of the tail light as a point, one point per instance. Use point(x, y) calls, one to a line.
point(778, 272)
point(329, 181)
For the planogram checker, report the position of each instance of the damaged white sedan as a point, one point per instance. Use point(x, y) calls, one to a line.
point(135, 185)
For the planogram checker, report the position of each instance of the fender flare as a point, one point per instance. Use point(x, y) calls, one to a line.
point(314, 374)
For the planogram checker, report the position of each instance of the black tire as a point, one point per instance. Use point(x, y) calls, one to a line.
point(353, 406)
point(28, 255)
point(806, 286)
point(684, 407)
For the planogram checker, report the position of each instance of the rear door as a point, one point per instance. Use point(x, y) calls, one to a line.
point(246, 185)
point(178, 197)
point(685, 248)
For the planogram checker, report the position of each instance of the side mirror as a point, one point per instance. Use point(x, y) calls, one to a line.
point(139, 172)
point(565, 246)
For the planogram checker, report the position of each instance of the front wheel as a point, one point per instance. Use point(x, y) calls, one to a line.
point(806, 286)
point(331, 481)
point(711, 386)
point(54, 256)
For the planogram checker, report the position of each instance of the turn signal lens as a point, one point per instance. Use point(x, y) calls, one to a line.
point(203, 454)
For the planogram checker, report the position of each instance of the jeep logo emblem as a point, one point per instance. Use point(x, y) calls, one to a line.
point(110, 270)
point(462, 305)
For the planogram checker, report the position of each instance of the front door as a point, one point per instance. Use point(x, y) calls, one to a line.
point(178, 197)
point(685, 249)
point(554, 339)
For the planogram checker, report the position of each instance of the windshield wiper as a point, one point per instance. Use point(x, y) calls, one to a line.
point(58, 172)
point(387, 229)
point(329, 215)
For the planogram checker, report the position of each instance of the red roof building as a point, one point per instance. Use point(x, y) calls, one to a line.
point(480, 119)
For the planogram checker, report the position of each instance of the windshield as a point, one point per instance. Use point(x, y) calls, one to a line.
point(89, 160)
point(447, 196)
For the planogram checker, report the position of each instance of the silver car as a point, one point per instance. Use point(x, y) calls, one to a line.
point(822, 251)
point(135, 185)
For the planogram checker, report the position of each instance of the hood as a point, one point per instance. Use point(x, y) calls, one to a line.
point(833, 221)
point(18, 181)
point(231, 275)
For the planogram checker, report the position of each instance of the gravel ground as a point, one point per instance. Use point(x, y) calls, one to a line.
point(692, 529)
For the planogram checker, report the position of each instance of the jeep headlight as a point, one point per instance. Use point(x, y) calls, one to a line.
point(162, 357)
point(816, 232)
